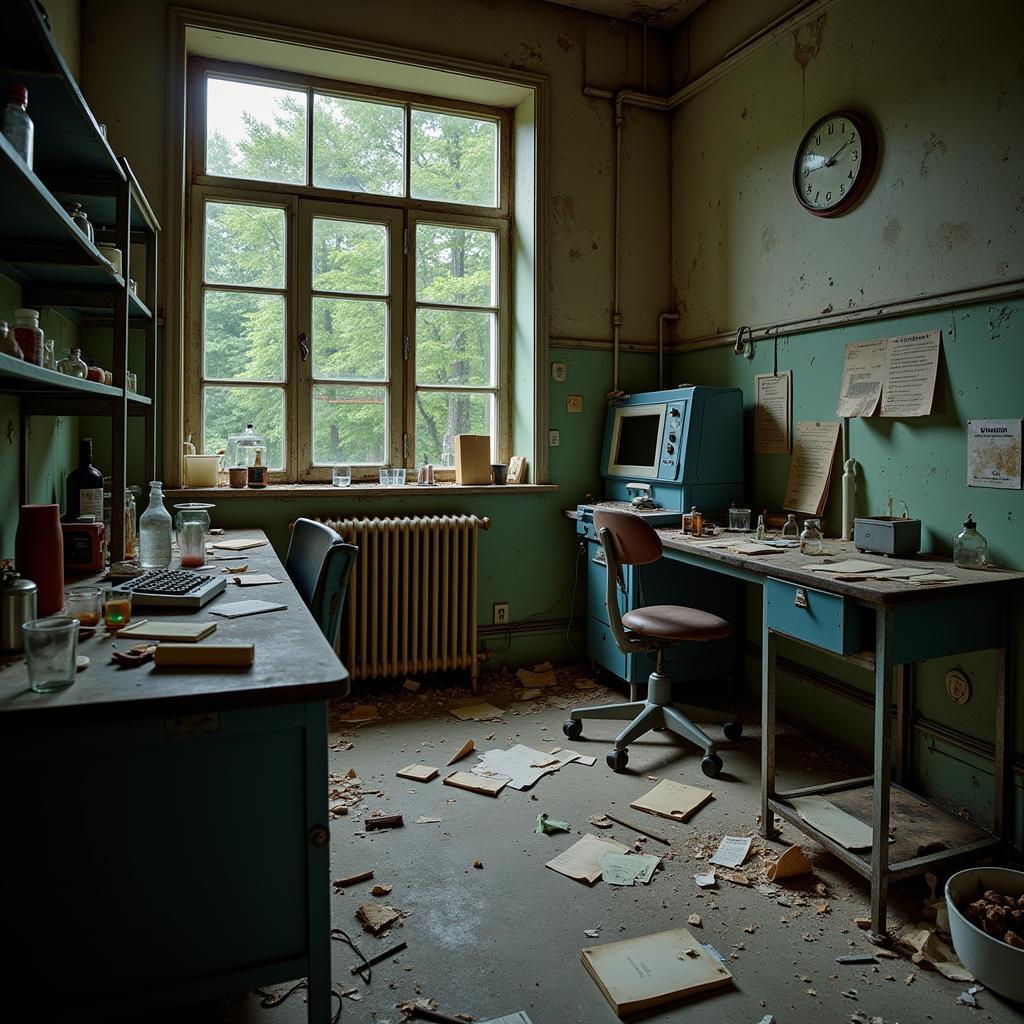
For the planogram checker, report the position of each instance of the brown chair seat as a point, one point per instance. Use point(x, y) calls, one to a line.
point(674, 622)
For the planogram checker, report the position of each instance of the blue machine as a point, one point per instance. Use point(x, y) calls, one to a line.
point(670, 450)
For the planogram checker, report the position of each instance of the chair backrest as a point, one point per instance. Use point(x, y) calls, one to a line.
point(319, 564)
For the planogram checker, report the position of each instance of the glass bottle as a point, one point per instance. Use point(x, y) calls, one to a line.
point(17, 125)
point(84, 486)
point(760, 531)
point(73, 364)
point(29, 335)
point(8, 346)
point(257, 476)
point(791, 531)
point(970, 549)
point(811, 541)
point(81, 221)
point(155, 531)
point(130, 524)
point(696, 522)
point(49, 355)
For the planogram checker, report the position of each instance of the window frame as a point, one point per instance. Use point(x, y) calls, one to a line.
point(301, 203)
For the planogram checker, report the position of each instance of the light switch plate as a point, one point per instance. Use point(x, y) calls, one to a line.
point(574, 403)
point(558, 372)
point(553, 438)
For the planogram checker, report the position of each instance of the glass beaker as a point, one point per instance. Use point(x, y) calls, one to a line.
point(192, 512)
point(192, 544)
point(51, 650)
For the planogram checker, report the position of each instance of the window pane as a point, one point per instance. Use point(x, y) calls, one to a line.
point(349, 425)
point(440, 416)
point(226, 411)
point(454, 158)
point(358, 146)
point(243, 336)
point(454, 346)
point(455, 265)
point(255, 131)
point(349, 338)
point(350, 256)
point(244, 245)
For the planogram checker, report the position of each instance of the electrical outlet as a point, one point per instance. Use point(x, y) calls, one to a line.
point(501, 616)
point(553, 438)
point(574, 403)
point(558, 372)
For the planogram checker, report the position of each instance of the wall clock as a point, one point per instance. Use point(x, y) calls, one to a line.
point(834, 163)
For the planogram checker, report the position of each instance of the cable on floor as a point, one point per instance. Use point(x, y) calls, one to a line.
point(271, 1000)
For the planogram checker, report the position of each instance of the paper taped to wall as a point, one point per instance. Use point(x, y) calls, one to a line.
point(811, 466)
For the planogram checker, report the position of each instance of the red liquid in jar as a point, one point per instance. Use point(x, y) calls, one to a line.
point(192, 561)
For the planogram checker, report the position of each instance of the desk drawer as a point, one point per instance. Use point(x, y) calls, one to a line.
point(604, 651)
point(824, 620)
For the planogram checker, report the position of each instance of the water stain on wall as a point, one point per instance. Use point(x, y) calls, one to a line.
point(769, 239)
point(953, 236)
point(563, 209)
point(933, 145)
point(807, 40)
point(891, 232)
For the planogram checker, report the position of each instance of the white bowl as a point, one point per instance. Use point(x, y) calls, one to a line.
point(995, 964)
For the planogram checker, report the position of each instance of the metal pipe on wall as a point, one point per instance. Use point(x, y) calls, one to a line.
point(661, 345)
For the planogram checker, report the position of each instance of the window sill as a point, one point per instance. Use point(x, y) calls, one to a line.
point(360, 491)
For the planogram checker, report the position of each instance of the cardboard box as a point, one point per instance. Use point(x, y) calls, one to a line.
point(472, 459)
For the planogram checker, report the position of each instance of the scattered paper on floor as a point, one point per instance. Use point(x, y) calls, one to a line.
point(359, 714)
point(476, 710)
point(628, 868)
point(549, 826)
point(732, 851)
point(475, 783)
point(673, 800)
point(417, 772)
point(465, 750)
point(582, 860)
point(822, 814)
point(705, 881)
point(539, 678)
point(792, 863)
point(522, 766)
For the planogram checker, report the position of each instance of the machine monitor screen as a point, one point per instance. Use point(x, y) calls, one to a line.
point(636, 440)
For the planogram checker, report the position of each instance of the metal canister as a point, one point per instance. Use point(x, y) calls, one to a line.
point(17, 605)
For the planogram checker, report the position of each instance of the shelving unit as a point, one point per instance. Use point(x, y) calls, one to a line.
point(57, 266)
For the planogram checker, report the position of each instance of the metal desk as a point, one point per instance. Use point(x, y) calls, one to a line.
point(887, 627)
point(167, 831)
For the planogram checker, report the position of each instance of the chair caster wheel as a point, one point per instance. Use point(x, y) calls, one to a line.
point(617, 760)
point(572, 728)
point(711, 766)
point(733, 730)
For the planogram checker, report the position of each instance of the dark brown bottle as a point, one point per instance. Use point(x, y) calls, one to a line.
point(84, 486)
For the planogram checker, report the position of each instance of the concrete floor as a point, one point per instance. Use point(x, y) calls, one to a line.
point(507, 936)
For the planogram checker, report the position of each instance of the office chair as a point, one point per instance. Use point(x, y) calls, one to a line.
point(627, 539)
point(320, 565)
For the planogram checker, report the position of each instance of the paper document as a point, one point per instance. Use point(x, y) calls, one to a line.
point(911, 365)
point(993, 454)
point(863, 367)
point(675, 800)
point(811, 466)
point(847, 566)
point(521, 765)
point(628, 868)
point(240, 608)
point(732, 851)
point(773, 402)
point(582, 861)
point(823, 815)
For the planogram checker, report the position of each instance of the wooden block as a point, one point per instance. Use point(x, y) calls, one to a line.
point(344, 883)
point(383, 821)
point(417, 772)
point(183, 632)
point(214, 655)
point(476, 783)
point(472, 459)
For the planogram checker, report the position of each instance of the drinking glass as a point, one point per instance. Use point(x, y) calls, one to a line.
point(398, 477)
point(83, 603)
point(384, 474)
point(117, 608)
point(341, 476)
point(192, 544)
point(51, 650)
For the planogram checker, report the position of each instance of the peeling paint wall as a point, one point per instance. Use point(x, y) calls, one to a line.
point(945, 84)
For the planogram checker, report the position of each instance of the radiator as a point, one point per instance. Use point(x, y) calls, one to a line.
point(411, 603)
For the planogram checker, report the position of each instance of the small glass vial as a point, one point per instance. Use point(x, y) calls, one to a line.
point(29, 335)
point(696, 522)
point(81, 221)
point(759, 533)
point(17, 125)
point(257, 476)
point(131, 524)
point(811, 541)
point(791, 531)
point(73, 364)
point(155, 531)
point(49, 355)
point(970, 549)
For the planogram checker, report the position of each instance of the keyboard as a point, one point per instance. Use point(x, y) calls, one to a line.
point(173, 588)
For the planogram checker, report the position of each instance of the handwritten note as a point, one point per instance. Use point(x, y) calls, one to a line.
point(771, 413)
point(911, 365)
point(811, 466)
point(863, 367)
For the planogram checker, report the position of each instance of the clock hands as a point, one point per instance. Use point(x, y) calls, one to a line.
point(832, 159)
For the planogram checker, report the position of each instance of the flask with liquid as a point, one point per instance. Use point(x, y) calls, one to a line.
point(791, 531)
point(970, 549)
point(811, 541)
point(155, 531)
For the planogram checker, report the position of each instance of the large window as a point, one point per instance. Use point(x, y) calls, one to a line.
point(348, 272)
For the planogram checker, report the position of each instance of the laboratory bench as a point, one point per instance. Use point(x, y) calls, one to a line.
point(886, 627)
point(168, 830)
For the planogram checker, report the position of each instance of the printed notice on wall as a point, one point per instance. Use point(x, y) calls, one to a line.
point(993, 453)
point(774, 393)
point(811, 466)
point(863, 366)
point(911, 364)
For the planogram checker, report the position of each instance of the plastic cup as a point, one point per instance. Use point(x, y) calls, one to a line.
point(51, 650)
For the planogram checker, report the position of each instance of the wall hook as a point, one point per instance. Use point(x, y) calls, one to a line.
point(744, 346)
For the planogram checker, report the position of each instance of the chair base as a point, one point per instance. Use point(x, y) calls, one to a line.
point(655, 712)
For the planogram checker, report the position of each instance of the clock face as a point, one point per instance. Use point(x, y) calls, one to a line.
point(834, 163)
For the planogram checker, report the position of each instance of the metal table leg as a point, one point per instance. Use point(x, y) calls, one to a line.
point(882, 752)
point(904, 709)
point(767, 729)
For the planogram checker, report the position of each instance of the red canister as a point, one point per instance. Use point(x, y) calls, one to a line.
point(39, 554)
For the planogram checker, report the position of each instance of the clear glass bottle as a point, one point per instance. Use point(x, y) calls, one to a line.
point(155, 531)
point(17, 125)
point(760, 532)
point(970, 549)
point(811, 540)
point(73, 364)
point(791, 531)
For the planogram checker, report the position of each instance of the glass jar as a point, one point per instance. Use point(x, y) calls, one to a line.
point(970, 549)
point(811, 540)
point(81, 221)
point(8, 346)
point(790, 531)
point(240, 447)
point(73, 364)
point(29, 335)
